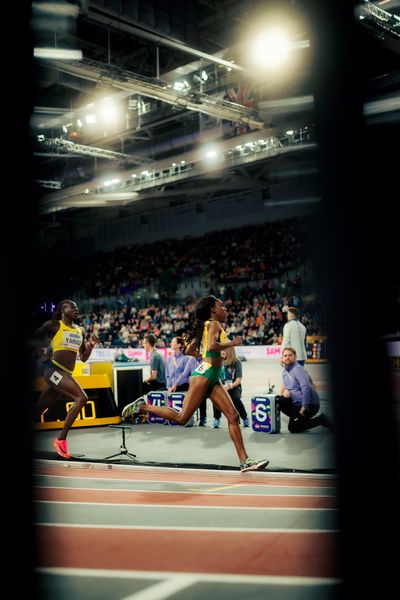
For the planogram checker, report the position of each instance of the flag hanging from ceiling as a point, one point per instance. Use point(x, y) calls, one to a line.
point(240, 94)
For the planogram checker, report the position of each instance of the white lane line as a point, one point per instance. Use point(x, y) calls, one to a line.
point(179, 471)
point(181, 528)
point(220, 578)
point(198, 493)
point(163, 589)
point(168, 506)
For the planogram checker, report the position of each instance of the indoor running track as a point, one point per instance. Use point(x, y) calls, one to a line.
point(148, 533)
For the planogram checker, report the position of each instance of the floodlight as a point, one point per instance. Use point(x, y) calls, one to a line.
point(271, 49)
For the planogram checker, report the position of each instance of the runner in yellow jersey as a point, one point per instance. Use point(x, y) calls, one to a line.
point(206, 340)
point(67, 341)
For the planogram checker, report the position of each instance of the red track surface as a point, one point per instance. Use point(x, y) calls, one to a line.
point(275, 553)
point(188, 499)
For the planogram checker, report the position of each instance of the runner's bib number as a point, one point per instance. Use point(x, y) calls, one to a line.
point(56, 378)
point(72, 340)
point(203, 368)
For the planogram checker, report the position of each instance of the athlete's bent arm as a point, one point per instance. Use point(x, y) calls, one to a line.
point(86, 351)
point(213, 345)
point(192, 349)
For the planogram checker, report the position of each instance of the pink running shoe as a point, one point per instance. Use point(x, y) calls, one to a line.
point(61, 447)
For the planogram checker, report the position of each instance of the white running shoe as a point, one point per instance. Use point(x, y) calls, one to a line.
point(133, 408)
point(251, 464)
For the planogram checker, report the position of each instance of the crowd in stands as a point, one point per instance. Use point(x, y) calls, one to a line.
point(258, 252)
point(259, 321)
point(255, 269)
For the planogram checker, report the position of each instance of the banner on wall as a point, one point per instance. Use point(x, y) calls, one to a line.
point(140, 354)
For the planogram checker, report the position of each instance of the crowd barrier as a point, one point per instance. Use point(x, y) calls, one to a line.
point(265, 414)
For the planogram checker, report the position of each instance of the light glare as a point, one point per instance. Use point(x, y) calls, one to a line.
point(108, 112)
point(271, 49)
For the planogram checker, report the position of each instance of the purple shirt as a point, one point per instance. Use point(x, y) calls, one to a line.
point(179, 369)
point(301, 386)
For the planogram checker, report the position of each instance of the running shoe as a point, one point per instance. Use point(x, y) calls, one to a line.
point(246, 422)
point(251, 464)
point(202, 422)
point(217, 423)
point(133, 408)
point(61, 447)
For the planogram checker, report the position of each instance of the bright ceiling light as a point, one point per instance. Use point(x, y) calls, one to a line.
point(271, 49)
point(108, 111)
point(56, 8)
point(57, 53)
point(211, 156)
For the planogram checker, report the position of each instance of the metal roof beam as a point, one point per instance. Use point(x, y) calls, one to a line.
point(82, 150)
point(125, 80)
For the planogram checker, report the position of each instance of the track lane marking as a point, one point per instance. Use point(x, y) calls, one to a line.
point(163, 589)
point(218, 489)
point(209, 577)
point(184, 528)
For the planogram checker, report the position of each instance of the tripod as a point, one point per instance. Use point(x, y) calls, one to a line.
point(123, 448)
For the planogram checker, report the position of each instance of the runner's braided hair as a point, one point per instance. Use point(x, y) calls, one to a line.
point(57, 315)
point(202, 313)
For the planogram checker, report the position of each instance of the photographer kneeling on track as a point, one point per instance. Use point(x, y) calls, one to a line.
point(298, 399)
